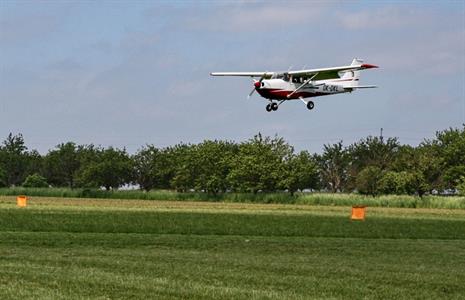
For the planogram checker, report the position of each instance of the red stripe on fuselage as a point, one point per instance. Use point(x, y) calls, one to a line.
point(279, 94)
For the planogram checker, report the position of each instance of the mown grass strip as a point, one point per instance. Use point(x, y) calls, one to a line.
point(108, 265)
point(202, 223)
point(86, 251)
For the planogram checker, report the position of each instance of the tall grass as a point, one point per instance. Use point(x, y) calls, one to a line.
point(151, 195)
point(449, 202)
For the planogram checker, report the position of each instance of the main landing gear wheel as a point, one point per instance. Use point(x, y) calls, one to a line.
point(310, 105)
point(274, 106)
point(268, 107)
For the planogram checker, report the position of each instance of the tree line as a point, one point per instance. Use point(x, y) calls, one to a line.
point(372, 166)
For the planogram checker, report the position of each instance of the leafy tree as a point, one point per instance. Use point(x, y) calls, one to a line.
point(168, 164)
point(182, 181)
point(13, 159)
point(368, 179)
point(259, 164)
point(301, 172)
point(371, 151)
point(452, 176)
point(451, 143)
point(181, 174)
point(419, 183)
point(402, 162)
point(396, 183)
point(333, 165)
point(34, 162)
point(87, 156)
point(146, 167)
point(389, 183)
point(61, 165)
point(3, 178)
point(211, 162)
point(112, 169)
point(447, 152)
point(36, 181)
point(423, 163)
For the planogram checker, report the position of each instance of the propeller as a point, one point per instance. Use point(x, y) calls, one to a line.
point(253, 90)
point(257, 84)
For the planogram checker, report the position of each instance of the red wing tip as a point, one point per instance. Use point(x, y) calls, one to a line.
point(368, 66)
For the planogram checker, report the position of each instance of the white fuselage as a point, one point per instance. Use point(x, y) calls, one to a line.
point(281, 89)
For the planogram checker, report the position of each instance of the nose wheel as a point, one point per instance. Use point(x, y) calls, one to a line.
point(310, 105)
point(273, 106)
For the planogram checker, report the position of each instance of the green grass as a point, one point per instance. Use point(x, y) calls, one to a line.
point(449, 202)
point(55, 249)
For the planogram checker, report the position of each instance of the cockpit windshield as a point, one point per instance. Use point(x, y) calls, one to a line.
point(283, 76)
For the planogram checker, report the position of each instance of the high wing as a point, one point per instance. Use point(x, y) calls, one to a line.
point(314, 74)
point(246, 74)
point(329, 73)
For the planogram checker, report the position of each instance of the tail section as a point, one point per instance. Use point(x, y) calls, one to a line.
point(356, 62)
point(352, 77)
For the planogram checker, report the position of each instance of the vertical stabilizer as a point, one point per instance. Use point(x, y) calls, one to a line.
point(352, 77)
point(356, 61)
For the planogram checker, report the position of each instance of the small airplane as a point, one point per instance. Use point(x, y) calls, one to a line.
point(301, 84)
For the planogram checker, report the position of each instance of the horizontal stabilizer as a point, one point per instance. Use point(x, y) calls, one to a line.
point(361, 87)
point(366, 86)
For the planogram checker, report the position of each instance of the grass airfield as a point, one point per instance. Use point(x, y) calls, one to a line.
point(59, 248)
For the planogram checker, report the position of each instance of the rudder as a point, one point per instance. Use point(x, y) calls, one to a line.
point(354, 76)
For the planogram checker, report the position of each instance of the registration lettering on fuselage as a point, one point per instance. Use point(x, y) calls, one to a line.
point(329, 88)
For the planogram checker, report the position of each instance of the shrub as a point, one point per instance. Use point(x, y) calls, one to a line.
point(398, 183)
point(35, 180)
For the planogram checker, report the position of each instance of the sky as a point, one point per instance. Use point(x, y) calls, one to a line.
point(131, 73)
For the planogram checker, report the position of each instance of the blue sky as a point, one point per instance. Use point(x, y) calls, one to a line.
point(128, 73)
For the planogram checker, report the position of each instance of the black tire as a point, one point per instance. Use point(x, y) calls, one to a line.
point(274, 106)
point(310, 105)
point(268, 107)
